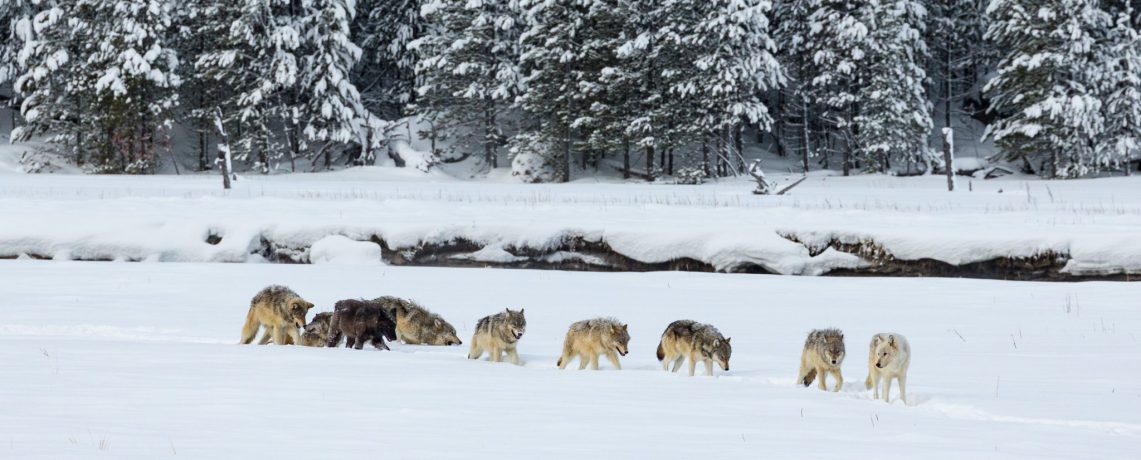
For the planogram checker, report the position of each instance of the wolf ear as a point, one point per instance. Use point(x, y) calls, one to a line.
point(625, 327)
point(891, 340)
point(727, 339)
point(309, 305)
point(521, 311)
point(509, 310)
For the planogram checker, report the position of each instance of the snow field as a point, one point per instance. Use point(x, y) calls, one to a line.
point(140, 361)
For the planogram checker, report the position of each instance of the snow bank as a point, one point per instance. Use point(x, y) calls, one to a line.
point(1092, 224)
point(337, 249)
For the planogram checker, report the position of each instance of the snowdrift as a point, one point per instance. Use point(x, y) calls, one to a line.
point(878, 225)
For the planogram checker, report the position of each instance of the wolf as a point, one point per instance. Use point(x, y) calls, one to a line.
point(696, 341)
point(316, 333)
point(599, 336)
point(360, 321)
point(823, 354)
point(281, 311)
point(497, 334)
point(889, 355)
point(415, 325)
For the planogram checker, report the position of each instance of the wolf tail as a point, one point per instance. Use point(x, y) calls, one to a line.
point(661, 352)
point(334, 338)
point(568, 350)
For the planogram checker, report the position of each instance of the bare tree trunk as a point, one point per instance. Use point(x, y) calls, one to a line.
point(625, 157)
point(778, 135)
point(225, 147)
point(564, 165)
point(705, 154)
point(807, 138)
point(650, 163)
point(739, 145)
point(949, 157)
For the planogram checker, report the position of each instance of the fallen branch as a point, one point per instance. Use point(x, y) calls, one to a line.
point(790, 186)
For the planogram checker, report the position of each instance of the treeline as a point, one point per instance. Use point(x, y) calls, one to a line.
point(650, 87)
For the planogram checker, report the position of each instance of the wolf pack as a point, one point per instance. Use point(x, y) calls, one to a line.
point(282, 314)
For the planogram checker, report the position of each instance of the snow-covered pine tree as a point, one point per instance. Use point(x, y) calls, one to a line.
point(894, 115)
point(565, 48)
point(331, 104)
point(1121, 92)
point(55, 88)
point(733, 64)
point(1045, 93)
point(386, 72)
point(836, 41)
point(959, 60)
point(100, 80)
point(797, 111)
point(638, 74)
point(15, 26)
point(198, 96)
point(135, 67)
point(468, 70)
point(256, 60)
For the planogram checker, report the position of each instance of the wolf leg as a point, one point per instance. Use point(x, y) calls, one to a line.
point(613, 357)
point(823, 377)
point(902, 379)
point(378, 343)
point(708, 367)
point(278, 335)
point(360, 343)
point(267, 336)
point(292, 336)
point(513, 356)
point(496, 354)
point(350, 341)
point(839, 380)
point(583, 361)
point(593, 362)
point(678, 361)
point(666, 362)
point(887, 389)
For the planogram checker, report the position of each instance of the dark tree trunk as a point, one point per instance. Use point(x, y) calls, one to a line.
point(705, 154)
point(739, 145)
point(625, 157)
point(650, 163)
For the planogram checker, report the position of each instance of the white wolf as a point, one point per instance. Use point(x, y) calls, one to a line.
point(889, 355)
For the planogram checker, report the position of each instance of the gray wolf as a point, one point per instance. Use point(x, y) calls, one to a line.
point(281, 311)
point(498, 334)
point(696, 341)
point(415, 325)
point(889, 356)
point(316, 333)
point(593, 337)
point(823, 354)
point(360, 321)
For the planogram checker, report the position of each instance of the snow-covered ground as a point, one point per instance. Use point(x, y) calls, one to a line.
point(168, 218)
point(118, 360)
